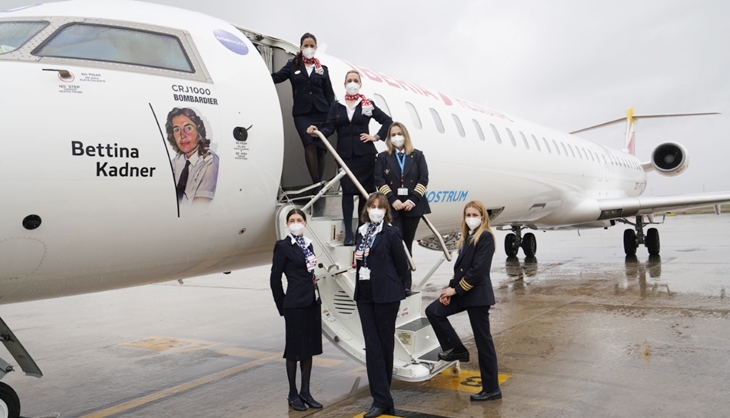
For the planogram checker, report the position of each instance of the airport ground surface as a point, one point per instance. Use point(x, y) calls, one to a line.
point(580, 332)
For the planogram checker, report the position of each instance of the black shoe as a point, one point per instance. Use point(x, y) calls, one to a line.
point(297, 404)
point(409, 293)
point(458, 353)
point(486, 396)
point(310, 402)
point(375, 411)
point(349, 243)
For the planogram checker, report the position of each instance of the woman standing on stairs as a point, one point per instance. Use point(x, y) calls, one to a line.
point(300, 306)
point(355, 145)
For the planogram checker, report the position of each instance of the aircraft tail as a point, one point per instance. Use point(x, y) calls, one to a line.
point(630, 141)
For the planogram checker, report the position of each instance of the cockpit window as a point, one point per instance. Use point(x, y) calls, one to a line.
point(13, 35)
point(114, 44)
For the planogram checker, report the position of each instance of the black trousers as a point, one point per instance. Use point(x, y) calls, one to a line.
point(407, 225)
point(378, 329)
point(438, 315)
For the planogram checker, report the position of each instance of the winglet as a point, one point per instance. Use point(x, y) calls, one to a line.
point(630, 144)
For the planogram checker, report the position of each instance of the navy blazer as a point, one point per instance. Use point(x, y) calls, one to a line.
point(389, 270)
point(348, 132)
point(309, 91)
point(471, 272)
point(289, 259)
point(388, 180)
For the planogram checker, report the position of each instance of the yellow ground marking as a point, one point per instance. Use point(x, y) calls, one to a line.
point(182, 345)
point(466, 381)
point(153, 397)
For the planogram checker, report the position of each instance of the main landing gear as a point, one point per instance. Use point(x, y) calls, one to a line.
point(632, 239)
point(513, 242)
point(9, 402)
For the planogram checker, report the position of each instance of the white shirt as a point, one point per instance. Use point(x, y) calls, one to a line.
point(309, 68)
point(351, 111)
point(202, 175)
point(307, 241)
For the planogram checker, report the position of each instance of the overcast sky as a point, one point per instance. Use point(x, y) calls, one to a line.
point(566, 64)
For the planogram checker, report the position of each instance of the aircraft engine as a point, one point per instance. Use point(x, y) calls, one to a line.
point(669, 159)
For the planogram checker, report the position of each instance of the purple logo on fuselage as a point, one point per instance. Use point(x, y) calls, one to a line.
point(231, 41)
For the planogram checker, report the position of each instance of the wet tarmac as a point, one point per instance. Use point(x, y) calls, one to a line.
point(580, 331)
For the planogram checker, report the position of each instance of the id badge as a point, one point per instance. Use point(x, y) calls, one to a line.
point(402, 191)
point(364, 273)
point(311, 262)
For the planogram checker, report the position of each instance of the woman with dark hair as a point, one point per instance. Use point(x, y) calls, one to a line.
point(470, 290)
point(351, 120)
point(294, 257)
point(195, 166)
point(382, 271)
point(401, 174)
point(313, 96)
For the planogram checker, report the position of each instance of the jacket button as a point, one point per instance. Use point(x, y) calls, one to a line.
point(461, 269)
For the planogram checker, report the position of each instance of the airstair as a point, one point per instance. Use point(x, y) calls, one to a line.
point(416, 346)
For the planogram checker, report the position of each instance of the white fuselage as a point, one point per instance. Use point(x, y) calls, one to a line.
point(100, 231)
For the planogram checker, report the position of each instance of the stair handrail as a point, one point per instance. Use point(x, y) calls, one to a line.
point(357, 184)
point(439, 237)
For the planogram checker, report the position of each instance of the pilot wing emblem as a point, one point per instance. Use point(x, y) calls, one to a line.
point(387, 170)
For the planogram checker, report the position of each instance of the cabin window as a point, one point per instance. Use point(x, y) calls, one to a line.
point(555, 144)
point(564, 149)
point(13, 35)
point(120, 45)
point(459, 126)
point(479, 129)
point(511, 137)
point(382, 104)
point(547, 146)
point(571, 151)
point(604, 159)
point(524, 139)
point(592, 156)
point(437, 120)
point(414, 115)
point(537, 143)
point(496, 134)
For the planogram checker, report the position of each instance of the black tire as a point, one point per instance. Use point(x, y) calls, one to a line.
point(652, 241)
point(9, 399)
point(630, 242)
point(509, 245)
point(529, 244)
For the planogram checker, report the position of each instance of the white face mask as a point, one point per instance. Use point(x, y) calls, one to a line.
point(352, 88)
point(296, 229)
point(308, 53)
point(376, 215)
point(473, 223)
point(397, 140)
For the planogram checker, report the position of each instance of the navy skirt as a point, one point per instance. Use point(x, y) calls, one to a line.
point(363, 167)
point(302, 122)
point(303, 332)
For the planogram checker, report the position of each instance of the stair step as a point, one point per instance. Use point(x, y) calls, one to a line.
point(415, 325)
point(432, 355)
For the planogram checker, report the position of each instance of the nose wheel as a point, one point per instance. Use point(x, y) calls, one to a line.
point(514, 241)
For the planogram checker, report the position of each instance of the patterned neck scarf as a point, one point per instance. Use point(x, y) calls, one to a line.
point(308, 254)
point(317, 66)
point(363, 250)
point(367, 105)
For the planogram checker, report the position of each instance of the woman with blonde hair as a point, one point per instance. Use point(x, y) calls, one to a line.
point(401, 174)
point(470, 290)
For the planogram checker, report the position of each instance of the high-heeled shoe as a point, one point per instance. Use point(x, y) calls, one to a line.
point(297, 404)
point(310, 402)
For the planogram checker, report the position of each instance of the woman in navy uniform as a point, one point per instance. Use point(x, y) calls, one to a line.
point(354, 143)
point(294, 257)
point(470, 290)
point(382, 270)
point(313, 96)
point(401, 174)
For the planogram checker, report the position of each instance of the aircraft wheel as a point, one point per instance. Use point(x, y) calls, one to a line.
point(529, 244)
point(9, 402)
point(652, 241)
point(509, 245)
point(630, 242)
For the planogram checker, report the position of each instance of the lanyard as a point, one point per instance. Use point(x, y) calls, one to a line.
point(402, 164)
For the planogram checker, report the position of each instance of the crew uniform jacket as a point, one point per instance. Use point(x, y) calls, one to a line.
point(309, 91)
point(471, 272)
point(289, 260)
point(388, 266)
point(348, 131)
point(415, 179)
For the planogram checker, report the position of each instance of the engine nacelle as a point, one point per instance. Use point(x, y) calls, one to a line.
point(669, 159)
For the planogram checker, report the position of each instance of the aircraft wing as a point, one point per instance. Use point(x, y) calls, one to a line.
point(646, 205)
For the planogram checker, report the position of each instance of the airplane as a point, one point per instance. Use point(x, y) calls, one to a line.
point(94, 97)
